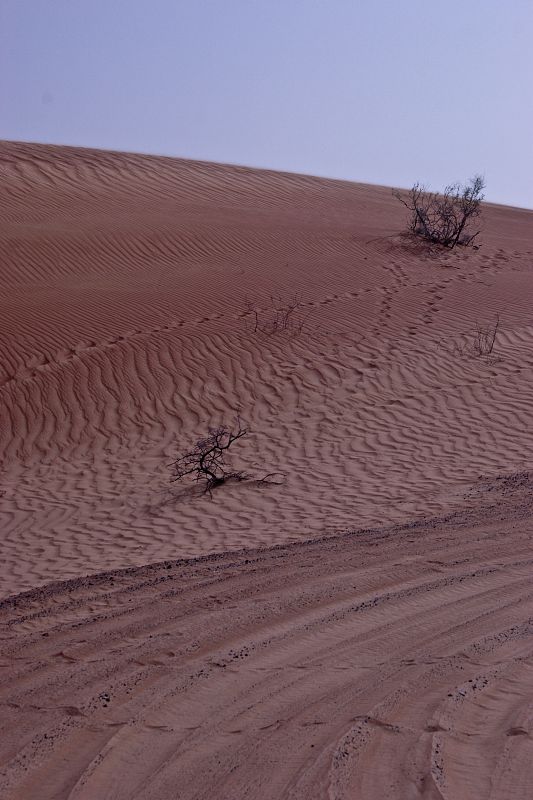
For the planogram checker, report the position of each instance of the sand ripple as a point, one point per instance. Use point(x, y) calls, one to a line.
point(123, 335)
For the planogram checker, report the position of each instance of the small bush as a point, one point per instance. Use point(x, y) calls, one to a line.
point(206, 462)
point(477, 343)
point(281, 316)
point(484, 338)
point(446, 219)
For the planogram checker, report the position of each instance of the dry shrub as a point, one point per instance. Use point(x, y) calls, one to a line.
point(446, 219)
point(206, 462)
point(280, 316)
point(476, 343)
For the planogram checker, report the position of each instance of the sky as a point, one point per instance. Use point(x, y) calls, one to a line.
point(378, 91)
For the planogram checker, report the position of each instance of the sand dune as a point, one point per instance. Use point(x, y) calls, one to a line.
point(401, 655)
point(123, 336)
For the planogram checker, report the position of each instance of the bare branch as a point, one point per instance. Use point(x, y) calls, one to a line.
point(446, 218)
point(479, 342)
point(206, 462)
point(485, 338)
point(281, 316)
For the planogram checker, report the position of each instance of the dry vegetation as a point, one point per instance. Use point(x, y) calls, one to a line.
point(206, 463)
point(279, 316)
point(447, 219)
point(476, 343)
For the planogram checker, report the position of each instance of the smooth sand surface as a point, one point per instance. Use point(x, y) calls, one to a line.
point(394, 662)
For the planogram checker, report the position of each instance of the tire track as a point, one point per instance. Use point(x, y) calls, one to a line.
point(381, 663)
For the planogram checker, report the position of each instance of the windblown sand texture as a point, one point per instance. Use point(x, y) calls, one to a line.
point(394, 662)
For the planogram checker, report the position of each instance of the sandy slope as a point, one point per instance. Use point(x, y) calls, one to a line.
point(123, 335)
point(395, 661)
point(390, 664)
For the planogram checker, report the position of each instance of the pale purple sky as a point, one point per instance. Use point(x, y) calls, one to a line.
point(380, 91)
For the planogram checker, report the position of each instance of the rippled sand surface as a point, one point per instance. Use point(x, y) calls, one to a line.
point(393, 661)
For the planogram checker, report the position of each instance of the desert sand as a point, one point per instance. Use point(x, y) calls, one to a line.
point(362, 628)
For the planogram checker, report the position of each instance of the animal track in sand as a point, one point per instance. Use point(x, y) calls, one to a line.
point(88, 346)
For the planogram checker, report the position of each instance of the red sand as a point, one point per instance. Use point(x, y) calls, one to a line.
point(123, 335)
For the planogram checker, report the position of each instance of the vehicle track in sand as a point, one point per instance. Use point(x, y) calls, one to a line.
point(391, 663)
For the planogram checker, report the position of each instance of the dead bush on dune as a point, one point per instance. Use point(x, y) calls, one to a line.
point(206, 462)
point(484, 337)
point(446, 219)
point(279, 316)
point(477, 343)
